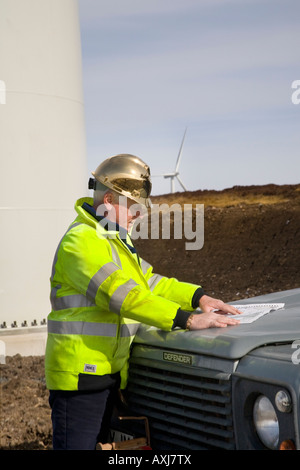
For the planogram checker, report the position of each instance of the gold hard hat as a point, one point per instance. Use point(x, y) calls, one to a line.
point(127, 175)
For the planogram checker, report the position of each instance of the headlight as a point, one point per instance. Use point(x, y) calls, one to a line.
point(266, 422)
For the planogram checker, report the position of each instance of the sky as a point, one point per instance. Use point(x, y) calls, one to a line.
point(221, 69)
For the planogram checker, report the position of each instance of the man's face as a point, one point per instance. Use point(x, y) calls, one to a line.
point(120, 210)
point(127, 211)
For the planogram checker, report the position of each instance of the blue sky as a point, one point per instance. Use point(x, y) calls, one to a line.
point(223, 69)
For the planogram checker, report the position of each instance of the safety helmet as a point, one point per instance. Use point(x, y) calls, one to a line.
point(127, 175)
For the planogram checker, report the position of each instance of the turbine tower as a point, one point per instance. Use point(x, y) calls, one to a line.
point(175, 173)
point(43, 166)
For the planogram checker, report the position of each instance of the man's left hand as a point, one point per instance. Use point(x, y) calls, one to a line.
point(208, 304)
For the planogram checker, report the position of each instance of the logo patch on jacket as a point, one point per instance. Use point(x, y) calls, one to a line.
point(90, 368)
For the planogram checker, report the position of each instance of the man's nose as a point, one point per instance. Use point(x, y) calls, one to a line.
point(136, 215)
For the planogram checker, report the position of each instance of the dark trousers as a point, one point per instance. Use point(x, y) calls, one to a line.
point(80, 419)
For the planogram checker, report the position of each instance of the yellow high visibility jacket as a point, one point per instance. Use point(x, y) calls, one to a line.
point(100, 292)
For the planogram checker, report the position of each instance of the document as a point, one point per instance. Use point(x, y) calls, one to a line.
point(251, 312)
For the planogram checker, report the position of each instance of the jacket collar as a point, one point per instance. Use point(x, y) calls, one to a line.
point(84, 208)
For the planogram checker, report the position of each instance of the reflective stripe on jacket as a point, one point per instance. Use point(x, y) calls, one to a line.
point(100, 292)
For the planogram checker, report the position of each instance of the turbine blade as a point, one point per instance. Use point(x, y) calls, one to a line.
point(180, 150)
point(181, 182)
point(165, 175)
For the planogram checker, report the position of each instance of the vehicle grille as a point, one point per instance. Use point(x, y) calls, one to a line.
point(187, 407)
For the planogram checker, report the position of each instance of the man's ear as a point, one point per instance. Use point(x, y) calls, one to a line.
point(108, 198)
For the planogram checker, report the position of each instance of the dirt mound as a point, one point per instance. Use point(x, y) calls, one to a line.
point(251, 240)
point(251, 247)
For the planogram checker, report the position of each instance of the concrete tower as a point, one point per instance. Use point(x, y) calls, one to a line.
point(42, 152)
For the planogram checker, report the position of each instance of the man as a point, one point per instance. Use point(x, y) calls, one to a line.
point(100, 291)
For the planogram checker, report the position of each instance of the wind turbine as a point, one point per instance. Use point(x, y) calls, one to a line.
point(175, 173)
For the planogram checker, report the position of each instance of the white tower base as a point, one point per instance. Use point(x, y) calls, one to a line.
point(43, 162)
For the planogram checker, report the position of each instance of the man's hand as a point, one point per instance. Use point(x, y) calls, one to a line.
point(213, 319)
point(208, 304)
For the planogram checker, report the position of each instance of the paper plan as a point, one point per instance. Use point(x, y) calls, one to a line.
point(252, 312)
